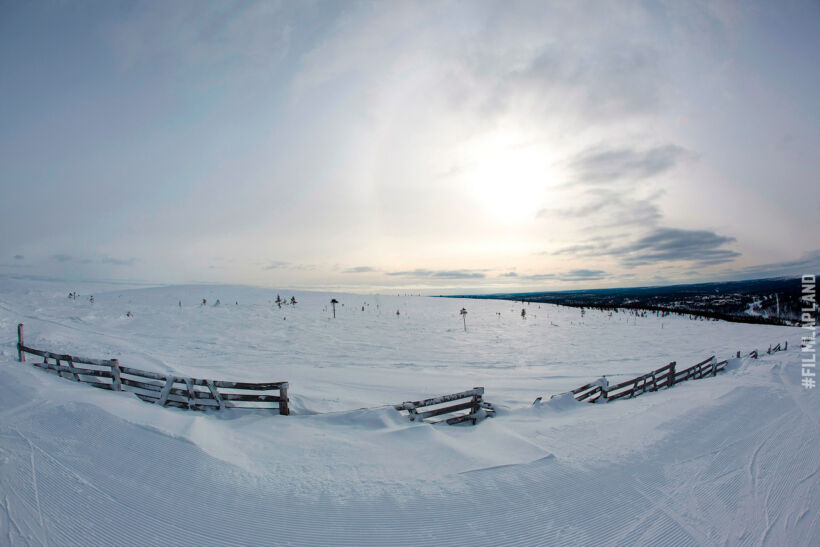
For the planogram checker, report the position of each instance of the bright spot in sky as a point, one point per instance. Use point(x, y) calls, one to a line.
point(508, 174)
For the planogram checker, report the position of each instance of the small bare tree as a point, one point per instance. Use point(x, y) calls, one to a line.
point(333, 303)
point(463, 313)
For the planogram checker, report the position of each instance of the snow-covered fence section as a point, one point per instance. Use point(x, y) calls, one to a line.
point(667, 376)
point(157, 388)
point(600, 390)
point(476, 407)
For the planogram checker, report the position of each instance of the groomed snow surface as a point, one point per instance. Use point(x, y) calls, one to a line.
point(727, 460)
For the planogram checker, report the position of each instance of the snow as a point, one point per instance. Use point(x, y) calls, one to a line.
point(731, 459)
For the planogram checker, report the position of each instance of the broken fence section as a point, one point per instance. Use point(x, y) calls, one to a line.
point(667, 376)
point(475, 406)
point(161, 389)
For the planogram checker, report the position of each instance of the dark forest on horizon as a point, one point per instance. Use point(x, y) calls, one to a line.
point(774, 301)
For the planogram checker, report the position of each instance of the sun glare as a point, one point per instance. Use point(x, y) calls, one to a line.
point(507, 174)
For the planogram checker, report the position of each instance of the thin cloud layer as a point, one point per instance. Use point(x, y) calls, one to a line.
point(808, 264)
point(583, 275)
point(607, 165)
point(439, 274)
point(360, 269)
point(118, 261)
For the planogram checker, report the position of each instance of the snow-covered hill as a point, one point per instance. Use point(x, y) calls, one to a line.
point(732, 459)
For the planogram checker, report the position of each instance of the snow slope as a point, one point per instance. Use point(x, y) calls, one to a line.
point(726, 460)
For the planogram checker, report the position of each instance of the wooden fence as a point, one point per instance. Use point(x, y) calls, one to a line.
point(196, 393)
point(157, 388)
point(477, 408)
point(667, 376)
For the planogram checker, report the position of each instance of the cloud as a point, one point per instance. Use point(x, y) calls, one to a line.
point(571, 275)
point(604, 165)
point(534, 59)
point(117, 261)
point(605, 78)
point(104, 260)
point(606, 208)
point(809, 263)
point(19, 257)
point(440, 274)
point(538, 277)
point(281, 264)
point(702, 247)
point(582, 275)
point(586, 249)
point(672, 244)
point(360, 269)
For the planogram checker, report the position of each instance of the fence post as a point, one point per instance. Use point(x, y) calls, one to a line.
point(21, 356)
point(477, 397)
point(116, 383)
point(283, 399)
point(714, 366)
point(786, 345)
point(604, 387)
point(671, 381)
point(738, 354)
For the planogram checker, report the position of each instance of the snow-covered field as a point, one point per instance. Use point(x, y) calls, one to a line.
point(726, 460)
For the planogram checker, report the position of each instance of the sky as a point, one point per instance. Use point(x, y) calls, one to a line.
point(434, 147)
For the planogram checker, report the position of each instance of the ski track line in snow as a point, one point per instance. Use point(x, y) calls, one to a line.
point(642, 487)
point(10, 520)
point(35, 487)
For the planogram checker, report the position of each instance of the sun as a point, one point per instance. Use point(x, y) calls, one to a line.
point(508, 174)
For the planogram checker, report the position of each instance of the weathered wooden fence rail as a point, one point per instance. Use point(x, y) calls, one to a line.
point(475, 405)
point(158, 388)
point(667, 376)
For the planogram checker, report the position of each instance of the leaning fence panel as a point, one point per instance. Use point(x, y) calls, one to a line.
point(664, 377)
point(159, 388)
